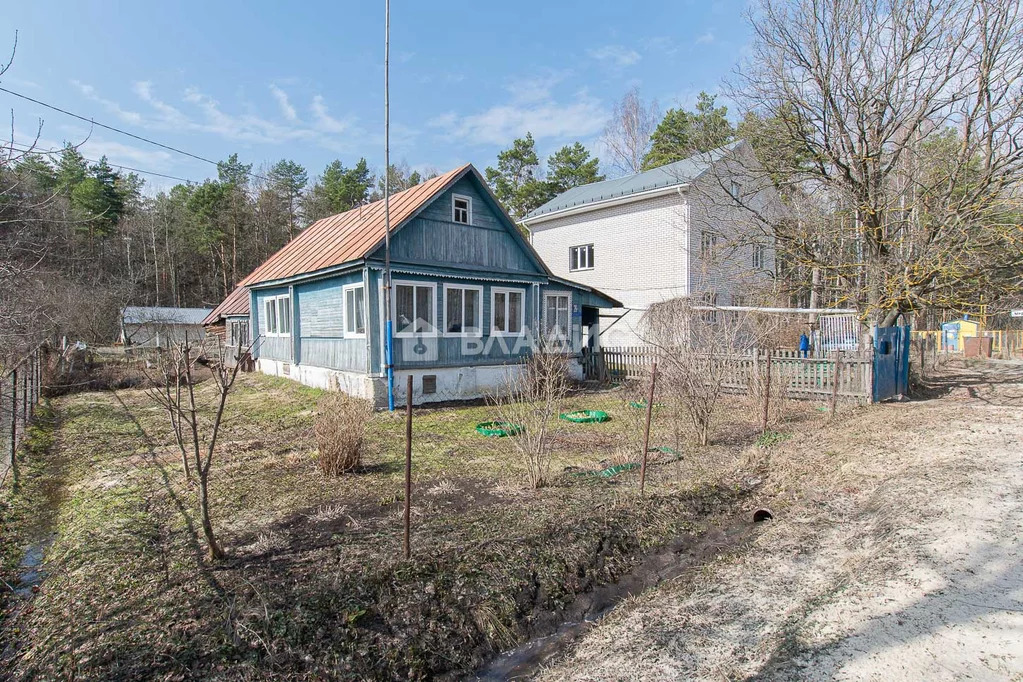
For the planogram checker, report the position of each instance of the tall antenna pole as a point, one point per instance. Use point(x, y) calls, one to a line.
point(389, 327)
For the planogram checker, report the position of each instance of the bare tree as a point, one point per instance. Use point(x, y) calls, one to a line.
point(196, 422)
point(627, 133)
point(701, 353)
point(532, 399)
point(895, 128)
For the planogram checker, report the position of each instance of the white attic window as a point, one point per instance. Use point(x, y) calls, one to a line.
point(461, 209)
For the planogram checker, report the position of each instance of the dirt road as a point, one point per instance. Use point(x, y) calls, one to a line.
point(895, 555)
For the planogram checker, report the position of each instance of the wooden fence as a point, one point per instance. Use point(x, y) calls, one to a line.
point(810, 378)
point(20, 391)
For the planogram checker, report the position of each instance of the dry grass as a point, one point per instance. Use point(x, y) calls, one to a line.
point(340, 431)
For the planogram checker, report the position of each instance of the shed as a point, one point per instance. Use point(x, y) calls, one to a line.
point(161, 326)
point(953, 333)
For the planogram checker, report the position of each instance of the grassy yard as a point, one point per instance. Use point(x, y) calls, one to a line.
point(315, 586)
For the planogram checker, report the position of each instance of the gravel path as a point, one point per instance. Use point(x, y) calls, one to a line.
point(895, 555)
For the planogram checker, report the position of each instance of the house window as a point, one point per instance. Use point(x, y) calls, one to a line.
point(556, 316)
point(758, 256)
point(270, 308)
point(413, 309)
point(277, 310)
point(709, 299)
point(580, 257)
point(734, 189)
point(708, 244)
point(461, 209)
point(463, 310)
point(355, 310)
point(507, 311)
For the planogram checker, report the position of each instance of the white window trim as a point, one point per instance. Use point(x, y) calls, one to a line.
point(344, 311)
point(522, 312)
point(277, 311)
point(394, 308)
point(572, 260)
point(553, 294)
point(468, 201)
point(479, 312)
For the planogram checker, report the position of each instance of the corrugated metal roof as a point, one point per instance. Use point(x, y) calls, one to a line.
point(678, 173)
point(236, 303)
point(141, 315)
point(348, 236)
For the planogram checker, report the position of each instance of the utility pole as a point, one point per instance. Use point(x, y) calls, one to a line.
point(389, 327)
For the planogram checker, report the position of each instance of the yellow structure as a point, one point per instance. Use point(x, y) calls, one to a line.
point(953, 333)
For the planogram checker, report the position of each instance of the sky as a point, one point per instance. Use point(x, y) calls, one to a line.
point(304, 80)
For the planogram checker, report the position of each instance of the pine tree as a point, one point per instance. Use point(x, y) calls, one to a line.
point(683, 133)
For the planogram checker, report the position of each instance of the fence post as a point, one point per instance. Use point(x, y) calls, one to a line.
point(646, 430)
point(408, 467)
point(922, 372)
point(14, 429)
point(835, 378)
point(767, 393)
point(24, 402)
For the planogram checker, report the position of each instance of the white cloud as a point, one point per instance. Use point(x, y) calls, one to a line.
point(534, 89)
point(324, 121)
point(285, 104)
point(132, 117)
point(617, 55)
point(705, 38)
point(544, 117)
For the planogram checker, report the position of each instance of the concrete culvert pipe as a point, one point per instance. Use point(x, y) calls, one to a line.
point(762, 515)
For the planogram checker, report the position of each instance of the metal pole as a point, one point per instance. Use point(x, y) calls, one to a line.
point(408, 467)
point(767, 393)
point(646, 429)
point(389, 326)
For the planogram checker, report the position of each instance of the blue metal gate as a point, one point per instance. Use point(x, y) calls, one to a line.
point(891, 362)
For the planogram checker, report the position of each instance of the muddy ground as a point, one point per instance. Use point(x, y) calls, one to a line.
point(894, 554)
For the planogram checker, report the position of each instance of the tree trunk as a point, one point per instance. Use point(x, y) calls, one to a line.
point(216, 552)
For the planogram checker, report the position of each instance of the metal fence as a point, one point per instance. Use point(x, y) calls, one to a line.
point(800, 377)
point(20, 391)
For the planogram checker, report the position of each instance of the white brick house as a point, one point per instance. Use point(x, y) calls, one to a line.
point(664, 233)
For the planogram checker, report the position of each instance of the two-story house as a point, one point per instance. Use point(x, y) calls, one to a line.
point(698, 227)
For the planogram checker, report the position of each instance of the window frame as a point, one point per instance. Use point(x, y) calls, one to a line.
point(344, 311)
point(568, 320)
point(507, 306)
point(394, 308)
point(573, 259)
point(281, 316)
point(735, 189)
point(454, 210)
point(759, 256)
point(708, 244)
point(709, 298)
point(479, 311)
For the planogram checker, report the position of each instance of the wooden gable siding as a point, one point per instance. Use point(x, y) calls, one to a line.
point(320, 323)
point(432, 238)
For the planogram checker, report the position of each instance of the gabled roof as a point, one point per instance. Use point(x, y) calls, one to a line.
point(351, 235)
point(236, 303)
point(674, 174)
point(134, 314)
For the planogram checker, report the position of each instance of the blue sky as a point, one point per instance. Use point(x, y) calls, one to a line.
point(304, 80)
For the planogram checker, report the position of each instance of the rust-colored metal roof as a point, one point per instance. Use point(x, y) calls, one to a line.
point(348, 236)
point(237, 303)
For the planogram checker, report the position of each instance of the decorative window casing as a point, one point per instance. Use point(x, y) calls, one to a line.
point(557, 316)
point(463, 310)
point(355, 310)
point(277, 315)
point(507, 311)
point(415, 309)
point(580, 257)
point(461, 209)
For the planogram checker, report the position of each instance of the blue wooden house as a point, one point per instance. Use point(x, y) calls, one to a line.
point(469, 296)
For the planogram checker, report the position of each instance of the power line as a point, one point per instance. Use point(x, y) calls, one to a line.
point(94, 122)
point(32, 150)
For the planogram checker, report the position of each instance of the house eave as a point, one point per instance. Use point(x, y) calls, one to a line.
point(605, 203)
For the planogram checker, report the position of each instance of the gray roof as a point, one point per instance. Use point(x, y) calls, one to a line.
point(141, 315)
point(671, 175)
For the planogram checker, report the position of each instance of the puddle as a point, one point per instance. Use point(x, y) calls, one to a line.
point(525, 661)
point(30, 571)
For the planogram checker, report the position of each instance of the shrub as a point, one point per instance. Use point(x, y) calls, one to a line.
point(340, 429)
